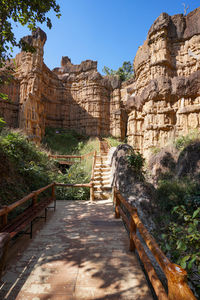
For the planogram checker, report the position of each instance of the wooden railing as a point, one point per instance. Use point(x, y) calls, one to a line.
point(71, 159)
point(92, 177)
point(178, 288)
point(34, 196)
point(5, 236)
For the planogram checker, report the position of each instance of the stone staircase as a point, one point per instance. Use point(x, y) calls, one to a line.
point(102, 172)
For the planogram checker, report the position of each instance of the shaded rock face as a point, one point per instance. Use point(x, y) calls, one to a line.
point(164, 100)
point(72, 96)
point(138, 193)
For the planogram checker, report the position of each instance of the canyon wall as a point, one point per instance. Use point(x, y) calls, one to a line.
point(72, 96)
point(163, 102)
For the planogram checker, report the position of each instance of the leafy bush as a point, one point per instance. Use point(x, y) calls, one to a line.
point(77, 173)
point(172, 192)
point(62, 141)
point(136, 161)
point(113, 141)
point(181, 239)
point(87, 146)
point(183, 141)
point(2, 124)
point(28, 167)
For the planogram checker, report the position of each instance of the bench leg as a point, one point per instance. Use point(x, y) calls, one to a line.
point(31, 232)
point(45, 214)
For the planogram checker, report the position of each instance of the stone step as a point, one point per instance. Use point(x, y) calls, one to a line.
point(102, 187)
point(102, 170)
point(102, 175)
point(102, 182)
point(101, 195)
point(97, 165)
point(101, 167)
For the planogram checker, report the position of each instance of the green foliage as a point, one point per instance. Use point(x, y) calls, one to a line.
point(4, 97)
point(28, 166)
point(113, 141)
point(124, 72)
point(77, 173)
point(136, 162)
point(172, 192)
point(62, 141)
point(181, 238)
point(155, 150)
point(27, 13)
point(183, 141)
point(87, 146)
point(2, 124)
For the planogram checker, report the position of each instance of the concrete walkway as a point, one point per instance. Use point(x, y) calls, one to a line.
point(80, 253)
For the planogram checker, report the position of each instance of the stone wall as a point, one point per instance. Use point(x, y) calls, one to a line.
point(164, 100)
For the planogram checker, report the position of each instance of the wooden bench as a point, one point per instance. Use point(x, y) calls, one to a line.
point(26, 218)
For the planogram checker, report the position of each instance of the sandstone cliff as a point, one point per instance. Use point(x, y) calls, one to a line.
point(164, 100)
point(72, 96)
point(161, 102)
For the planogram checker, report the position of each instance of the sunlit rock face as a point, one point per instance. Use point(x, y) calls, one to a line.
point(72, 96)
point(164, 100)
point(161, 102)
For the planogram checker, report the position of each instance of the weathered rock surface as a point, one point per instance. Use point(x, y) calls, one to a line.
point(137, 192)
point(164, 100)
point(72, 96)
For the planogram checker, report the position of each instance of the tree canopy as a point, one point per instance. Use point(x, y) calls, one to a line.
point(125, 72)
point(24, 12)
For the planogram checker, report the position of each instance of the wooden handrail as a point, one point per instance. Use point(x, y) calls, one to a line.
point(92, 177)
point(73, 185)
point(65, 156)
point(33, 195)
point(72, 156)
point(178, 288)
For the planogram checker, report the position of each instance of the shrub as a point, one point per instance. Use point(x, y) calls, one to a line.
point(62, 141)
point(183, 141)
point(172, 192)
point(181, 240)
point(113, 141)
point(2, 124)
point(136, 161)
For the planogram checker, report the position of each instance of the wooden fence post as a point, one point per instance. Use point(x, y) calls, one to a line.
point(131, 234)
point(178, 288)
point(92, 191)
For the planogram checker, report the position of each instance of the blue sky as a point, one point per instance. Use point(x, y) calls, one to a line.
point(109, 31)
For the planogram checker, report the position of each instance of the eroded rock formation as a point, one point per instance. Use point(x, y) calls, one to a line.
point(161, 102)
point(72, 96)
point(164, 100)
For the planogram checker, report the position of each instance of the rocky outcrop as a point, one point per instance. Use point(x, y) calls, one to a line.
point(164, 100)
point(161, 102)
point(136, 191)
point(72, 96)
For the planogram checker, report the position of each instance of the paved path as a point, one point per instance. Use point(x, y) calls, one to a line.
point(80, 253)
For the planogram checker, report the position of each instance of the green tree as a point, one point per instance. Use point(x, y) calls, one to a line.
point(125, 72)
point(24, 12)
